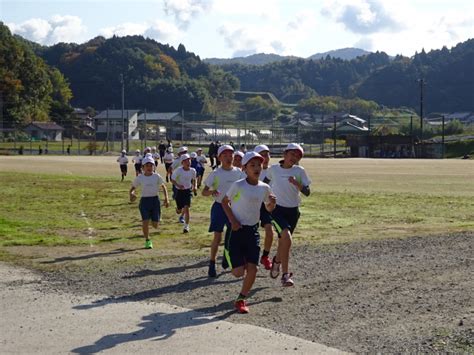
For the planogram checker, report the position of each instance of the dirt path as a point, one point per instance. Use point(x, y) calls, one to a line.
point(35, 319)
point(406, 295)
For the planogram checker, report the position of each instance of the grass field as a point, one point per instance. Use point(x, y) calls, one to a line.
point(79, 201)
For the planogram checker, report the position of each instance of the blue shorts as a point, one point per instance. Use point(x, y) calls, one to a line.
point(150, 208)
point(138, 168)
point(285, 218)
point(218, 218)
point(183, 198)
point(200, 171)
point(243, 246)
point(265, 216)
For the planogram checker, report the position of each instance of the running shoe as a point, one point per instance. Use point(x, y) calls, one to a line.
point(148, 244)
point(275, 271)
point(181, 219)
point(241, 306)
point(266, 262)
point(286, 280)
point(186, 229)
point(212, 270)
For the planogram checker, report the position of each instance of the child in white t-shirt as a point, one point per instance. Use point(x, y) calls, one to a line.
point(168, 160)
point(123, 161)
point(137, 161)
point(184, 180)
point(242, 206)
point(287, 180)
point(149, 206)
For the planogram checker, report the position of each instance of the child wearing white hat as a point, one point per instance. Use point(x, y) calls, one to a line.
point(123, 161)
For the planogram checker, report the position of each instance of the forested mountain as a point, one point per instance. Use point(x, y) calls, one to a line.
point(448, 75)
point(156, 76)
point(343, 53)
point(30, 89)
point(254, 59)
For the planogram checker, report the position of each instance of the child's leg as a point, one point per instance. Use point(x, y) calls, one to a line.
point(145, 228)
point(249, 278)
point(283, 253)
point(186, 214)
point(267, 245)
point(215, 245)
point(154, 224)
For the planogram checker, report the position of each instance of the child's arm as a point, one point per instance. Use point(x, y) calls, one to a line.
point(271, 204)
point(132, 194)
point(304, 189)
point(208, 192)
point(165, 192)
point(235, 224)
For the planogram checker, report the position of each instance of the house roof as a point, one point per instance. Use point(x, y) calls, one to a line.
point(159, 116)
point(115, 114)
point(47, 126)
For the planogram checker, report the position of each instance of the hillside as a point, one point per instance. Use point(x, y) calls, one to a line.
point(155, 76)
point(343, 53)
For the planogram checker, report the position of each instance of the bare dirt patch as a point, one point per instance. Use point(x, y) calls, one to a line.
point(399, 295)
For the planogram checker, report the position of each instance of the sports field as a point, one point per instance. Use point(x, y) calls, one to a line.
point(382, 256)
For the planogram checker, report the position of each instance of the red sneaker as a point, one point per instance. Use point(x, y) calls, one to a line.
point(241, 306)
point(266, 262)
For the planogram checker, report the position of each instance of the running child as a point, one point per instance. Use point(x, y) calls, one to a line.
point(184, 179)
point(168, 159)
point(155, 155)
point(265, 217)
point(287, 180)
point(202, 161)
point(242, 206)
point(237, 162)
point(137, 161)
point(175, 165)
point(123, 161)
point(149, 206)
point(216, 185)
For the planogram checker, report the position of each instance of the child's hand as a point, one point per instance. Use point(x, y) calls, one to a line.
point(293, 181)
point(215, 193)
point(133, 197)
point(272, 199)
point(166, 203)
point(235, 225)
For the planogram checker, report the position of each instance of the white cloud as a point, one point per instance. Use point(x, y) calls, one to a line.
point(363, 16)
point(159, 30)
point(57, 29)
point(185, 10)
point(124, 29)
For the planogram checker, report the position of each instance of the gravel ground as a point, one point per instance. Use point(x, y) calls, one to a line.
point(410, 295)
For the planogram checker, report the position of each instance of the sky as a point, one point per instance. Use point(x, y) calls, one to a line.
point(231, 28)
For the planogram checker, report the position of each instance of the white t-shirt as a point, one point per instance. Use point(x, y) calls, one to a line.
point(286, 193)
point(168, 158)
point(176, 163)
point(156, 156)
point(137, 159)
point(122, 160)
point(201, 159)
point(184, 177)
point(263, 174)
point(221, 179)
point(149, 184)
point(246, 200)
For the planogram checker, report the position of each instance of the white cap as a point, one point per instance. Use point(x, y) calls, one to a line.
point(249, 156)
point(147, 148)
point(261, 148)
point(182, 149)
point(153, 148)
point(239, 153)
point(295, 146)
point(148, 159)
point(193, 155)
point(124, 151)
point(184, 157)
point(223, 148)
point(169, 150)
point(199, 149)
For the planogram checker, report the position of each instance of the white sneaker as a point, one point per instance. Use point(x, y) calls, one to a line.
point(186, 228)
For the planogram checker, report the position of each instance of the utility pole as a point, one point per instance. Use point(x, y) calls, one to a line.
point(422, 84)
point(182, 126)
point(442, 141)
point(334, 132)
point(123, 107)
point(145, 129)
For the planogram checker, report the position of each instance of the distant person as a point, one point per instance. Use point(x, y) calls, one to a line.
point(237, 161)
point(201, 166)
point(68, 150)
point(123, 161)
point(218, 145)
point(212, 151)
point(243, 148)
point(149, 206)
point(20, 150)
point(40, 150)
point(137, 161)
point(162, 151)
point(155, 155)
point(168, 159)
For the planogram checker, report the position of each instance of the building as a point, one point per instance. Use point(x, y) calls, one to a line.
point(49, 131)
point(160, 125)
point(109, 124)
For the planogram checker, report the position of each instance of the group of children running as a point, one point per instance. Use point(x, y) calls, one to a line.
point(246, 190)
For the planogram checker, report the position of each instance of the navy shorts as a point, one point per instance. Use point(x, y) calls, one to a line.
point(285, 217)
point(150, 208)
point(183, 198)
point(243, 246)
point(218, 218)
point(200, 172)
point(138, 168)
point(167, 166)
point(123, 168)
point(265, 216)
